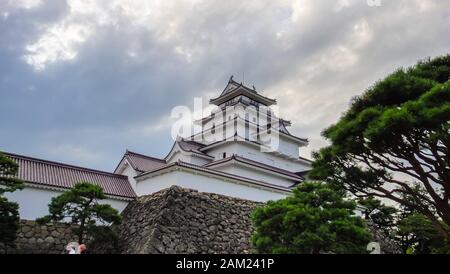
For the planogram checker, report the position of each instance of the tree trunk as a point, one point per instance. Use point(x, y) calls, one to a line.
point(81, 232)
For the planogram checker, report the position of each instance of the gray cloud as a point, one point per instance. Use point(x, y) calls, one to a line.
point(80, 81)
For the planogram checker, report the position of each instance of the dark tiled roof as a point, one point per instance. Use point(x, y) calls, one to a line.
point(190, 145)
point(305, 159)
point(142, 162)
point(234, 89)
point(256, 164)
point(303, 174)
point(230, 86)
point(53, 174)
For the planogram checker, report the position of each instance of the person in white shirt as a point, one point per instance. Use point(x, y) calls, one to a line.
point(73, 248)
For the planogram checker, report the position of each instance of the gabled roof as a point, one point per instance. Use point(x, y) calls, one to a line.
point(230, 86)
point(59, 175)
point(234, 89)
point(189, 146)
point(256, 164)
point(141, 162)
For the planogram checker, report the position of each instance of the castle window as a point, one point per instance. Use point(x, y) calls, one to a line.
point(224, 155)
point(213, 129)
point(247, 130)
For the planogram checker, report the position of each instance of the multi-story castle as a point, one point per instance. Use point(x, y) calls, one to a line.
point(243, 150)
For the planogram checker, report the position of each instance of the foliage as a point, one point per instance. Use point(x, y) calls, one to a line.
point(80, 205)
point(413, 232)
point(382, 217)
point(315, 219)
point(394, 142)
point(418, 235)
point(9, 211)
point(106, 240)
point(8, 172)
point(9, 221)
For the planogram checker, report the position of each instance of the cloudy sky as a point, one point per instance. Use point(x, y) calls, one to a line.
point(81, 80)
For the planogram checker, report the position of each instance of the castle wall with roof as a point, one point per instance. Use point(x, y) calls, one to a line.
point(33, 201)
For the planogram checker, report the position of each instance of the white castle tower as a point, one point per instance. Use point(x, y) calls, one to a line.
point(243, 150)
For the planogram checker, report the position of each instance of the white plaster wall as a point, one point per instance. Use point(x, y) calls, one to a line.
point(33, 202)
point(192, 159)
point(199, 161)
point(284, 144)
point(288, 147)
point(130, 173)
point(253, 153)
point(178, 156)
point(256, 175)
point(204, 183)
point(157, 183)
point(250, 113)
point(228, 130)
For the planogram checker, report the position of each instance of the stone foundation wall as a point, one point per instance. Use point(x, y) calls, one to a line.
point(174, 220)
point(33, 238)
point(178, 220)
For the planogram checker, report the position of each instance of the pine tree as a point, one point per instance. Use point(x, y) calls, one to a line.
point(315, 219)
point(9, 211)
point(80, 206)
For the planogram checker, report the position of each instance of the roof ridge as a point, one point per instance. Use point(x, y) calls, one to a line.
point(195, 151)
point(252, 162)
point(266, 165)
point(192, 141)
point(305, 159)
point(273, 101)
point(233, 139)
point(143, 155)
point(62, 164)
point(226, 159)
